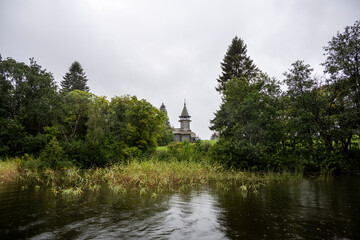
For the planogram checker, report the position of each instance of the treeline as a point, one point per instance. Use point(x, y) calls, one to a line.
point(313, 124)
point(69, 125)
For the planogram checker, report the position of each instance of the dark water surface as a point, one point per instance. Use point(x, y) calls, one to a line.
point(310, 210)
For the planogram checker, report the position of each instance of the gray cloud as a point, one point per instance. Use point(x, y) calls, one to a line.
point(165, 51)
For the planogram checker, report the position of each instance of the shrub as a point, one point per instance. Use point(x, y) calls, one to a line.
point(184, 151)
point(28, 161)
point(65, 164)
point(34, 144)
point(202, 146)
point(52, 153)
point(34, 163)
point(239, 154)
point(163, 155)
point(84, 154)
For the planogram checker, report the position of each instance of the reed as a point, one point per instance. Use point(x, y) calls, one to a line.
point(9, 171)
point(326, 172)
point(72, 191)
point(149, 177)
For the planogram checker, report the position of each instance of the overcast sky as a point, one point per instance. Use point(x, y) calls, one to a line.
point(164, 50)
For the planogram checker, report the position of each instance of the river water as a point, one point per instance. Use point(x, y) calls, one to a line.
point(309, 210)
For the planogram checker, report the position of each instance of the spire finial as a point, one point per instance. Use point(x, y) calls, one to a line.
point(184, 101)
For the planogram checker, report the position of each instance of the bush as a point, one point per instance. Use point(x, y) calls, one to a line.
point(30, 162)
point(52, 153)
point(202, 146)
point(184, 151)
point(65, 164)
point(34, 144)
point(85, 154)
point(239, 154)
point(163, 155)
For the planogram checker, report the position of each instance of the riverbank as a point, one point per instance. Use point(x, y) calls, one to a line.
point(146, 177)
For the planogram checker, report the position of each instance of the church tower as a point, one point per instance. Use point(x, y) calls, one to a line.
point(184, 132)
point(184, 119)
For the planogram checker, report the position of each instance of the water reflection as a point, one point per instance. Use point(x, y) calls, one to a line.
point(308, 210)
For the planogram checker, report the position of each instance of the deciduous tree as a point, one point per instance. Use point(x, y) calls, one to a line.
point(343, 66)
point(301, 104)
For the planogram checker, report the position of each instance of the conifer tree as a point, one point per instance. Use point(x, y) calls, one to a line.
point(167, 135)
point(75, 79)
point(163, 109)
point(236, 64)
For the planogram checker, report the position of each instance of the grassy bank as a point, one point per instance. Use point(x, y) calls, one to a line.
point(9, 171)
point(146, 177)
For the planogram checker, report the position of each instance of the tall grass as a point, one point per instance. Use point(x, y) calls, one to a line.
point(9, 171)
point(149, 177)
point(326, 172)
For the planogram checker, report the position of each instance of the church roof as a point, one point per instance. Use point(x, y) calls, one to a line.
point(184, 112)
point(179, 131)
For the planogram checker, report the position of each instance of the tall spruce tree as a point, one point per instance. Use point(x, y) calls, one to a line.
point(75, 79)
point(236, 64)
point(247, 118)
point(167, 135)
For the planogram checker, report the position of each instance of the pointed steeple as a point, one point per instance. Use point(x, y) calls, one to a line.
point(184, 119)
point(184, 113)
point(184, 132)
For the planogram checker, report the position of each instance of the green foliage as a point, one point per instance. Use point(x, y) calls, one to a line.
point(89, 130)
point(311, 123)
point(185, 151)
point(29, 102)
point(74, 115)
point(167, 134)
point(238, 154)
point(343, 64)
point(236, 64)
point(203, 146)
point(7, 76)
point(301, 105)
point(146, 177)
point(53, 153)
point(34, 144)
point(12, 134)
point(248, 122)
point(135, 123)
point(33, 163)
point(161, 148)
point(75, 79)
point(326, 172)
point(84, 154)
point(164, 155)
point(115, 150)
point(97, 129)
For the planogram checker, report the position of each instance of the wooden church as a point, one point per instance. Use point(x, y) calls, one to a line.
point(184, 132)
